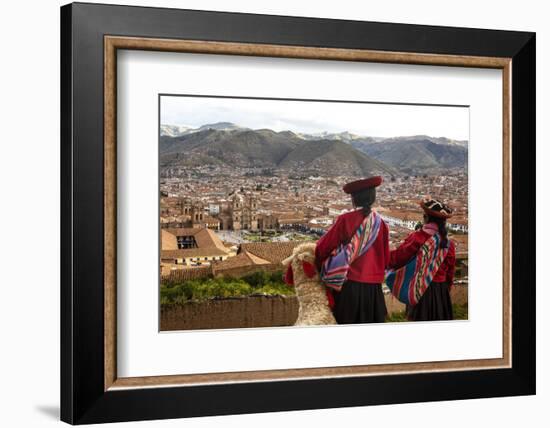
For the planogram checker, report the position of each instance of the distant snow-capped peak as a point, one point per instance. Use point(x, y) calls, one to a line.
point(174, 130)
point(220, 126)
point(179, 130)
point(342, 136)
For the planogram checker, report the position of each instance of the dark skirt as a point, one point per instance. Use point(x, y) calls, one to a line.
point(358, 302)
point(434, 305)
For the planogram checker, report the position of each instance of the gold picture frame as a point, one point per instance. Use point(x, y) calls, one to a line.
point(114, 43)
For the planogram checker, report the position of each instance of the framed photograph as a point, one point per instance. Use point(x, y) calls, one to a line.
point(266, 213)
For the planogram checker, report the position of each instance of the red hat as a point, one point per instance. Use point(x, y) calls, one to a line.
point(357, 186)
point(436, 208)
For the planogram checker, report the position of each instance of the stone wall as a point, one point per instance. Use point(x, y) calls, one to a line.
point(254, 311)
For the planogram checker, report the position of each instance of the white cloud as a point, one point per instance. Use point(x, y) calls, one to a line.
point(369, 119)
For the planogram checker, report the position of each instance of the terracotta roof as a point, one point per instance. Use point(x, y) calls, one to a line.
point(241, 260)
point(292, 220)
point(192, 252)
point(205, 238)
point(170, 199)
point(169, 241)
point(460, 219)
point(273, 252)
point(404, 215)
point(319, 226)
point(182, 275)
point(255, 259)
point(290, 215)
point(341, 206)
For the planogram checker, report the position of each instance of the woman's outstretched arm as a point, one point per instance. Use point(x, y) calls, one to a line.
point(406, 251)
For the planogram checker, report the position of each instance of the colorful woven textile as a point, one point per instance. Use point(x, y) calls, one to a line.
point(409, 283)
point(335, 268)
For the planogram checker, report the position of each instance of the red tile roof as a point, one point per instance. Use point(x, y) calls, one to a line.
point(273, 252)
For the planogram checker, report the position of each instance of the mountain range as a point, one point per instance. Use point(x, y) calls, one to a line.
point(417, 155)
point(227, 143)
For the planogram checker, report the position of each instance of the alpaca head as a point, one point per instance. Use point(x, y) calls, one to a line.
point(300, 265)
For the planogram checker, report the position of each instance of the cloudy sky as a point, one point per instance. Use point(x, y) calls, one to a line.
point(367, 119)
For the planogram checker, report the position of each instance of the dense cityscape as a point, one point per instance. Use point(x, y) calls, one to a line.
point(273, 208)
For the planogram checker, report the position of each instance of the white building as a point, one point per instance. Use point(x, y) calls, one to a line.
point(458, 227)
point(393, 221)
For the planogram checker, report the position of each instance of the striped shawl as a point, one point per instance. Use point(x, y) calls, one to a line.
point(409, 283)
point(335, 268)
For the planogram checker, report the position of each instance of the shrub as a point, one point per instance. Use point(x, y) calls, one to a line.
point(255, 279)
point(274, 289)
point(270, 283)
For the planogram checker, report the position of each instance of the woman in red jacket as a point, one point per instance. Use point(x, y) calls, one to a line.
point(435, 304)
point(360, 299)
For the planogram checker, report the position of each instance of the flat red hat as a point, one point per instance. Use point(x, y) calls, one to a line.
point(357, 186)
point(436, 208)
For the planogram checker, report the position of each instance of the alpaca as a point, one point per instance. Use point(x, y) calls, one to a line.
point(311, 292)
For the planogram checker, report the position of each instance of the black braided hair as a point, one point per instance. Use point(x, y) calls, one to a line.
point(442, 229)
point(364, 199)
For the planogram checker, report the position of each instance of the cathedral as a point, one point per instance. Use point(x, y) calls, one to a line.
point(238, 212)
point(242, 211)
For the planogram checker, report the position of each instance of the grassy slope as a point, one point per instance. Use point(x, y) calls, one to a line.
point(460, 312)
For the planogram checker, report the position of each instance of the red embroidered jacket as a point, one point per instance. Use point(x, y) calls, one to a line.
point(408, 249)
point(370, 266)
